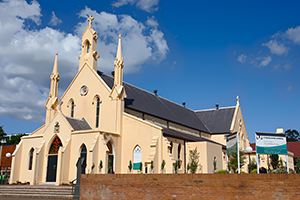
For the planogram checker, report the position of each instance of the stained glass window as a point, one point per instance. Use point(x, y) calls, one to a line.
point(30, 159)
point(55, 146)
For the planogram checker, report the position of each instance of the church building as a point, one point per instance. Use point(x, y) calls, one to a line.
point(112, 123)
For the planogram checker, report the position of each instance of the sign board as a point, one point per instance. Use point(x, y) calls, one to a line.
point(231, 144)
point(271, 143)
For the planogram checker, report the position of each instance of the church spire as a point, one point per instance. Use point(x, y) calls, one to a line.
point(51, 103)
point(89, 54)
point(119, 64)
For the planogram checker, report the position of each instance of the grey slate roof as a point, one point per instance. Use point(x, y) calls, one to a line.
point(148, 103)
point(78, 124)
point(217, 121)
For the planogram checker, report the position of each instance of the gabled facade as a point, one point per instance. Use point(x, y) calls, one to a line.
point(109, 121)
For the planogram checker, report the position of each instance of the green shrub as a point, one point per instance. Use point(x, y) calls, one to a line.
point(254, 171)
point(222, 171)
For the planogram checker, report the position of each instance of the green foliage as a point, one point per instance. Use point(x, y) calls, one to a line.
point(254, 171)
point(130, 165)
point(141, 167)
point(252, 165)
point(194, 161)
point(14, 139)
point(176, 166)
point(100, 165)
point(2, 134)
point(222, 171)
point(282, 170)
point(274, 161)
point(215, 164)
point(163, 165)
point(152, 166)
point(297, 165)
point(292, 135)
point(233, 161)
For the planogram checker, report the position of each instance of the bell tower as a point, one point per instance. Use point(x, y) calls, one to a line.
point(89, 54)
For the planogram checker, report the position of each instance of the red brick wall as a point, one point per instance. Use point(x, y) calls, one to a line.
point(189, 186)
point(6, 149)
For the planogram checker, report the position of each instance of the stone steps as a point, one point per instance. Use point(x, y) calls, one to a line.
point(41, 191)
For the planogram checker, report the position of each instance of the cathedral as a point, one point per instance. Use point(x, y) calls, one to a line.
point(112, 123)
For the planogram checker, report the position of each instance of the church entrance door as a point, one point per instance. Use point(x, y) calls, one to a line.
point(52, 160)
point(51, 168)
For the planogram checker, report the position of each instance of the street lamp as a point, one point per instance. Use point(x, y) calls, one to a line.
point(5, 176)
point(249, 150)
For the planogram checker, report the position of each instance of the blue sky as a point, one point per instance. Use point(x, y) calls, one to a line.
point(201, 53)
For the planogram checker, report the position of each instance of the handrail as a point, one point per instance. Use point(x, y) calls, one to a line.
point(73, 185)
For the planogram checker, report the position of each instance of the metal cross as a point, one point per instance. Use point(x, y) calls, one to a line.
point(90, 19)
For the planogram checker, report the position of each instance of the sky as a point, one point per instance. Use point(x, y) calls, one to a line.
point(201, 53)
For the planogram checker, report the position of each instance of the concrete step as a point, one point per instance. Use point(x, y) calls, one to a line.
point(41, 191)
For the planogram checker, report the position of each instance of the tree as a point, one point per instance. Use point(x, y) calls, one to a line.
point(233, 161)
point(15, 139)
point(2, 134)
point(194, 161)
point(297, 165)
point(292, 135)
point(252, 165)
point(274, 161)
point(130, 165)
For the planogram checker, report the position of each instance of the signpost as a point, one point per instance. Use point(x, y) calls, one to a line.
point(232, 146)
point(271, 143)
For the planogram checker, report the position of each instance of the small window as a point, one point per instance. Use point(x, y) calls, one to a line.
point(97, 112)
point(30, 159)
point(72, 109)
point(171, 147)
point(179, 149)
point(83, 151)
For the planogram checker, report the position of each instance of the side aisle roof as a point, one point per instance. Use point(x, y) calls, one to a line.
point(217, 120)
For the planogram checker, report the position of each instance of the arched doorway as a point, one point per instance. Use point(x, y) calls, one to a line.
point(52, 160)
point(110, 163)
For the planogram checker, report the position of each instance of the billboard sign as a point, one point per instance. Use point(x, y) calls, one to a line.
point(271, 143)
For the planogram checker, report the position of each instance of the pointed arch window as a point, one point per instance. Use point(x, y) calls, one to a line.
point(83, 151)
point(97, 112)
point(171, 147)
point(56, 144)
point(72, 109)
point(179, 149)
point(30, 158)
point(137, 157)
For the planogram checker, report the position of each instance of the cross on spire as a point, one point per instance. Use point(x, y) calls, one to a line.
point(90, 19)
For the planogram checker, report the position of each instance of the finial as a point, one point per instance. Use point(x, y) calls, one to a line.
point(237, 98)
point(90, 19)
point(119, 50)
point(55, 71)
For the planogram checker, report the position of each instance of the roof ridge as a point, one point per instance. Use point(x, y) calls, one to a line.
point(209, 109)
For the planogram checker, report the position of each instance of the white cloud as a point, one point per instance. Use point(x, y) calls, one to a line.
point(276, 48)
point(27, 56)
point(54, 20)
point(141, 43)
point(266, 61)
point(146, 5)
point(152, 21)
point(242, 58)
point(294, 34)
